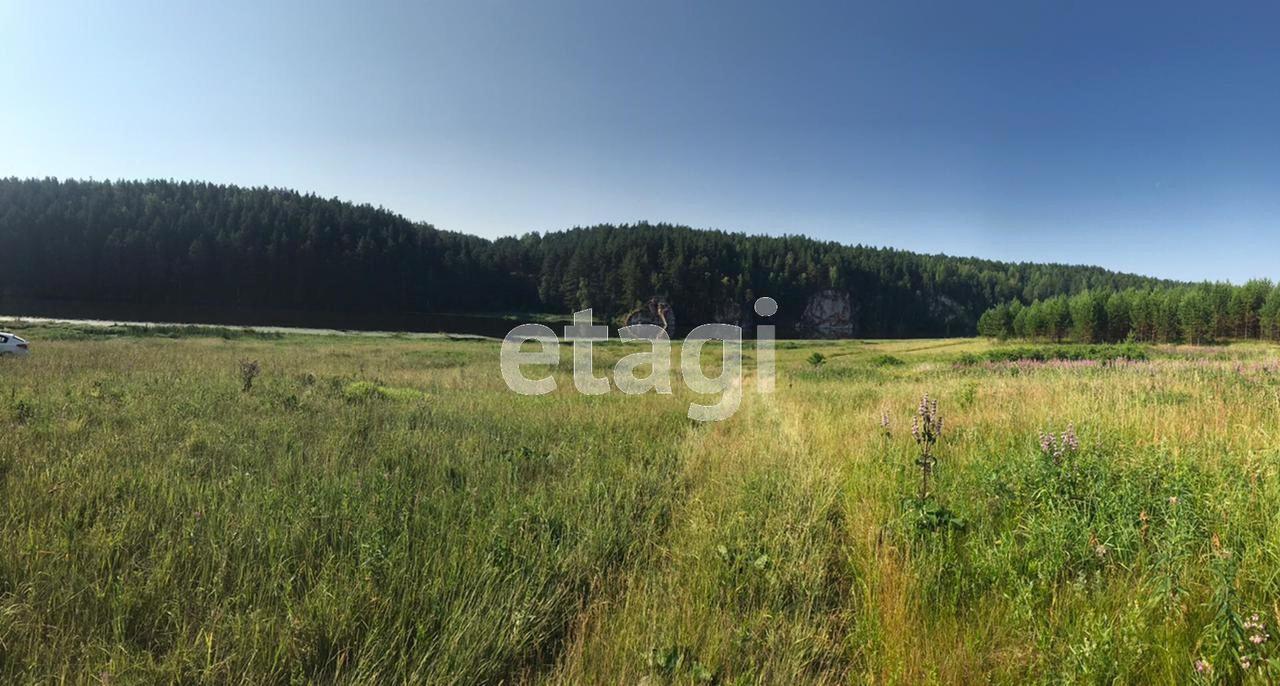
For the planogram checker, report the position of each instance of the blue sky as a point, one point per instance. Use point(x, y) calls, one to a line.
point(1139, 137)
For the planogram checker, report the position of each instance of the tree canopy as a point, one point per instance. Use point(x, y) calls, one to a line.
point(209, 244)
point(1171, 314)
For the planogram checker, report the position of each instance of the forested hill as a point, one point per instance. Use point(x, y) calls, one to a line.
point(207, 244)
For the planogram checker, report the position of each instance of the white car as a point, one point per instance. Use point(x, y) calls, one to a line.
point(12, 345)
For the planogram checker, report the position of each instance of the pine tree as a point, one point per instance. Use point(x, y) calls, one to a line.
point(1269, 316)
point(1197, 316)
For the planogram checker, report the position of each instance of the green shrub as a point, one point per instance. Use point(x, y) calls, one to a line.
point(1045, 353)
point(359, 391)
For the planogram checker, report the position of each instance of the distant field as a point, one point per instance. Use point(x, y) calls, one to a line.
point(384, 510)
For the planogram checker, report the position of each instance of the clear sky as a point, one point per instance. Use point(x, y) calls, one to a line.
point(1138, 137)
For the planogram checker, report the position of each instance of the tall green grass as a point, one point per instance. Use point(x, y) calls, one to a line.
point(381, 510)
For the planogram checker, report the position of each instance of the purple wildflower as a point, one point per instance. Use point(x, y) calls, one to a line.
point(1069, 439)
point(1058, 448)
point(926, 428)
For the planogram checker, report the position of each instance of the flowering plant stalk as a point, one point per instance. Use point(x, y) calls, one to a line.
point(1058, 448)
point(926, 429)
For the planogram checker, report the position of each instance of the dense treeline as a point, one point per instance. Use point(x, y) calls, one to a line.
point(895, 293)
point(207, 244)
point(1192, 314)
point(159, 241)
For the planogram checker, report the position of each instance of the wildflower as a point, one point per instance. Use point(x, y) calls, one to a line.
point(1173, 500)
point(926, 428)
point(1203, 667)
point(884, 421)
point(1245, 663)
point(1046, 443)
point(1069, 440)
point(1059, 447)
point(1255, 624)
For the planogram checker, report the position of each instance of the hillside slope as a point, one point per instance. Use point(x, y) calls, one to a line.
point(193, 243)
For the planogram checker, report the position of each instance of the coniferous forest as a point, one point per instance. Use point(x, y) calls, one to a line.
point(193, 243)
point(1196, 314)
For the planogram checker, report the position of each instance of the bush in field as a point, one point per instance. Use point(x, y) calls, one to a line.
point(679, 664)
point(363, 391)
point(1045, 353)
point(23, 411)
point(249, 370)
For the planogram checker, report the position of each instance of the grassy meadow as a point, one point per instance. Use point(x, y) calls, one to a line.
point(384, 510)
